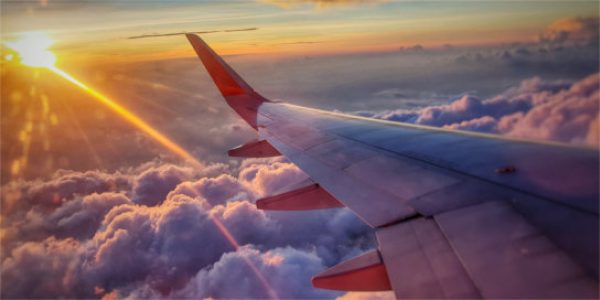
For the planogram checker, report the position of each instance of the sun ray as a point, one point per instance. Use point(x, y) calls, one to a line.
point(159, 137)
point(130, 117)
point(33, 52)
point(82, 133)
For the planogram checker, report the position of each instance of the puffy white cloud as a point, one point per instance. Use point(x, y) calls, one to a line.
point(267, 179)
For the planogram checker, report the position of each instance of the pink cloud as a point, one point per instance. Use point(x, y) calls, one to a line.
point(536, 109)
point(105, 244)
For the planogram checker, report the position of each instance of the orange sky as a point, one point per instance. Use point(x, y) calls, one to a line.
point(102, 31)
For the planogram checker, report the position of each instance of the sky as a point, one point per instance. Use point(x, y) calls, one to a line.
point(94, 207)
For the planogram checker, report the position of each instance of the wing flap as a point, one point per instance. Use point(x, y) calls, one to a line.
point(308, 197)
point(420, 262)
point(362, 273)
point(254, 149)
point(507, 257)
point(374, 206)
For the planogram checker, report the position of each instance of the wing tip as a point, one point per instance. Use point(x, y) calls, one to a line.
point(192, 36)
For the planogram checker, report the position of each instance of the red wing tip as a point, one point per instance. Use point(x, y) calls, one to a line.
point(192, 36)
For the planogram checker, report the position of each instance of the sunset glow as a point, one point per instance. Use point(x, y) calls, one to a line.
point(130, 117)
point(33, 49)
point(116, 176)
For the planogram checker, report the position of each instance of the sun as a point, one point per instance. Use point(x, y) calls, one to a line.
point(32, 48)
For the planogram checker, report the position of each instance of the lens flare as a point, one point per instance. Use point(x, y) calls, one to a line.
point(145, 127)
point(130, 117)
point(33, 49)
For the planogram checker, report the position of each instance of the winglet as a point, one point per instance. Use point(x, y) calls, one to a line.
point(238, 94)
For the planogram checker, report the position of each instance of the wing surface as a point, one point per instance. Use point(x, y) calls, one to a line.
point(456, 214)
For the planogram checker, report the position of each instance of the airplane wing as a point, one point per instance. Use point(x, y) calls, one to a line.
point(456, 214)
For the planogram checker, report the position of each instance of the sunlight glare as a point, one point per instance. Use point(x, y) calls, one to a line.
point(131, 118)
point(32, 48)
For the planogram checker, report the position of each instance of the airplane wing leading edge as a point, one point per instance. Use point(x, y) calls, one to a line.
point(456, 214)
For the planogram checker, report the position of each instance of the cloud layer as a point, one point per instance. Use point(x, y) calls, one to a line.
point(156, 230)
point(153, 231)
point(537, 109)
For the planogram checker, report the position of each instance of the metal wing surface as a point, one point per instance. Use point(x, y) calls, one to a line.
point(456, 214)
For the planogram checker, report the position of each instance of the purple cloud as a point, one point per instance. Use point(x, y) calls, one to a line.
point(536, 109)
point(287, 270)
point(108, 244)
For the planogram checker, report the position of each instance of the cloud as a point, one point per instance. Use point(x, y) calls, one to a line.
point(367, 296)
point(178, 98)
point(32, 267)
point(152, 185)
point(322, 4)
point(536, 109)
point(267, 179)
point(153, 35)
point(570, 115)
point(18, 196)
point(231, 277)
point(120, 241)
point(568, 45)
point(148, 231)
point(572, 30)
point(241, 29)
point(162, 245)
point(217, 190)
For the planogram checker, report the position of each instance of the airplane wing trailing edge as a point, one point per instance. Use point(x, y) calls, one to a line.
point(456, 214)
